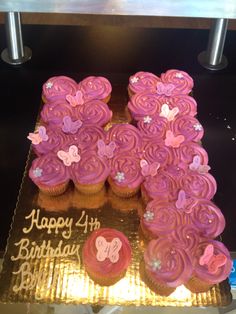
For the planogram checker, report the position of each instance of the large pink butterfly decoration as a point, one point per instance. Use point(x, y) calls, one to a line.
point(173, 141)
point(196, 165)
point(70, 126)
point(164, 89)
point(182, 202)
point(69, 157)
point(39, 136)
point(213, 262)
point(106, 150)
point(149, 170)
point(108, 250)
point(168, 113)
point(75, 100)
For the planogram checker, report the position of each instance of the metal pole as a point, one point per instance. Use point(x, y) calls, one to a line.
point(213, 58)
point(15, 53)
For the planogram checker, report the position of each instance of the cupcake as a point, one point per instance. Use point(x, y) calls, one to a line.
point(88, 137)
point(50, 174)
point(106, 256)
point(212, 265)
point(95, 87)
point(58, 87)
point(167, 266)
point(142, 81)
point(154, 128)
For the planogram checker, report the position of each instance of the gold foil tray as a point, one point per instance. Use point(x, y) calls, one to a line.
point(43, 264)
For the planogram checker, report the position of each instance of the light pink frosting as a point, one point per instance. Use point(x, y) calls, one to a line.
point(198, 185)
point(187, 151)
point(58, 87)
point(175, 266)
point(181, 80)
point(144, 104)
point(106, 268)
point(143, 81)
point(202, 271)
point(48, 170)
point(186, 104)
point(95, 87)
point(155, 130)
point(88, 136)
point(91, 169)
point(207, 218)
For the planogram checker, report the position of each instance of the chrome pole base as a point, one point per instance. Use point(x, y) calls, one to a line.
point(26, 57)
point(203, 59)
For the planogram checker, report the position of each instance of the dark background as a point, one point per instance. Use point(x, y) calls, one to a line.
point(116, 52)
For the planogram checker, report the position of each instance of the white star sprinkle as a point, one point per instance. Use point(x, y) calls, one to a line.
point(156, 264)
point(49, 85)
point(179, 75)
point(120, 176)
point(147, 119)
point(148, 215)
point(134, 79)
point(197, 127)
point(37, 172)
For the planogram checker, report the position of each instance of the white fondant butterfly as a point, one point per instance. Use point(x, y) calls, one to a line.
point(75, 100)
point(168, 113)
point(108, 249)
point(196, 165)
point(39, 136)
point(106, 150)
point(70, 156)
point(149, 169)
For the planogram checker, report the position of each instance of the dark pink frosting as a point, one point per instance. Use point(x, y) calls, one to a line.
point(88, 136)
point(155, 130)
point(143, 81)
point(58, 87)
point(207, 218)
point(186, 104)
point(181, 80)
point(91, 169)
point(48, 170)
point(202, 271)
point(187, 126)
point(187, 151)
point(95, 87)
point(167, 263)
point(144, 104)
point(106, 268)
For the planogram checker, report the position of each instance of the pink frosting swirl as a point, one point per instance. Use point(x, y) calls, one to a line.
point(106, 268)
point(198, 185)
point(186, 104)
point(144, 104)
point(126, 170)
point(202, 271)
point(187, 126)
point(54, 112)
point(167, 263)
point(162, 186)
point(48, 170)
point(143, 81)
point(187, 151)
point(155, 130)
point(161, 218)
point(207, 218)
point(95, 87)
point(182, 81)
point(91, 169)
point(58, 87)
point(94, 112)
point(88, 136)
point(126, 137)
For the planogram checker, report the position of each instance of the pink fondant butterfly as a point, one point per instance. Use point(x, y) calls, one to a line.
point(173, 141)
point(182, 202)
point(75, 100)
point(149, 170)
point(196, 165)
point(213, 262)
point(69, 126)
point(168, 113)
point(106, 150)
point(39, 136)
point(108, 249)
point(70, 156)
point(164, 89)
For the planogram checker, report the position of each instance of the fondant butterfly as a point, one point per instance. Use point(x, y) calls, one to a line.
point(164, 89)
point(213, 262)
point(69, 126)
point(70, 156)
point(196, 165)
point(39, 136)
point(168, 113)
point(108, 249)
point(149, 170)
point(182, 202)
point(173, 141)
point(106, 150)
point(75, 100)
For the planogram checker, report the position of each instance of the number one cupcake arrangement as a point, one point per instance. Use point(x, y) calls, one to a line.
point(159, 152)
